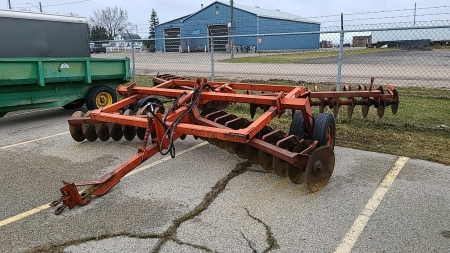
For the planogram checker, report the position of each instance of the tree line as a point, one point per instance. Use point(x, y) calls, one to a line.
point(107, 23)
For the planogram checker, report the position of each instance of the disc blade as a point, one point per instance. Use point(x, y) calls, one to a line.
point(380, 111)
point(280, 167)
point(89, 132)
point(365, 110)
point(140, 132)
point(350, 110)
point(252, 154)
point(129, 132)
point(115, 131)
point(394, 105)
point(319, 168)
point(232, 147)
point(265, 160)
point(75, 130)
point(101, 129)
point(296, 175)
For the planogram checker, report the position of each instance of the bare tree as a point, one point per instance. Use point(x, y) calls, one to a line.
point(114, 20)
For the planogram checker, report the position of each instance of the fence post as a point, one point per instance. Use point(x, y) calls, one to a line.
point(212, 58)
point(132, 56)
point(341, 52)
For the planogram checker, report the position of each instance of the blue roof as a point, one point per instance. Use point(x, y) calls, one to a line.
point(260, 12)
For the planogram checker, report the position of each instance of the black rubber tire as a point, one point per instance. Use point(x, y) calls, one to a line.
point(298, 126)
point(322, 123)
point(74, 104)
point(142, 102)
point(91, 97)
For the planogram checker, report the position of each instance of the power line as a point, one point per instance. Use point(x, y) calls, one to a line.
point(382, 11)
point(52, 5)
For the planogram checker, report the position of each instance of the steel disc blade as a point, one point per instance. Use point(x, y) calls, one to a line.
point(252, 154)
point(380, 111)
point(232, 147)
point(394, 105)
point(140, 132)
point(296, 175)
point(115, 131)
point(129, 132)
point(280, 167)
point(101, 129)
point(89, 132)
point(336, 110)
point(265, 160)
point(241, 152)
point(319, 168)
point(365, 110)
point(75, 130)
point(350, 110)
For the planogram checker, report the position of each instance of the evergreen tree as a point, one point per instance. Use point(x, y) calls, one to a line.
point(154, 21)
point(98, 33)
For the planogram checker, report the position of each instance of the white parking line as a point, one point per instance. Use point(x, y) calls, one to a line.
point(38, 139)
point(361, 221)
point(46, 206)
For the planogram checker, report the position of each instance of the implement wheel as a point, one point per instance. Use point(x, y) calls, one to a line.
point(298, 126)
point(324, 130)
point(100, 96)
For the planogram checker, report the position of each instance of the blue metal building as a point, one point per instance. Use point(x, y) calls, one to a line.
point(192, 32)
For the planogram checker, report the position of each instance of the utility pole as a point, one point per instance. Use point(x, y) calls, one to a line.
point(232, 28)
point(415, 8)
point(40, 6)
point(9, 4)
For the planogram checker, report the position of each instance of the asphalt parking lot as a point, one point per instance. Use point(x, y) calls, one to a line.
point(207, 200)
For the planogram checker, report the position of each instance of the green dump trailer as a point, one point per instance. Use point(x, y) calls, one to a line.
point(45, 62)
point(29, 83)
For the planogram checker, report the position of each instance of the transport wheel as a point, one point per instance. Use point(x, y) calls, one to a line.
point(324, 130)
point(99, 97)
point(298, 126)
point(152, 100)
point(74, 104)
point(319, 168)
point(75, 130)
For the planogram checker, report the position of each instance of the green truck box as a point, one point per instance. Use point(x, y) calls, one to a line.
point(45, 62)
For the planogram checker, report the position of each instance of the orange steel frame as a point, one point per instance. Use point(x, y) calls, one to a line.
point(280, 99)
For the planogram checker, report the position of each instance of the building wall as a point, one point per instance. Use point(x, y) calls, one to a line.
point(194, 30)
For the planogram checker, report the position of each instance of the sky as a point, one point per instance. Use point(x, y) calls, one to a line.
point(139, 10)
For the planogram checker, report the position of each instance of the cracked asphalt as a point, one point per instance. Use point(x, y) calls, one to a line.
point(207, 200)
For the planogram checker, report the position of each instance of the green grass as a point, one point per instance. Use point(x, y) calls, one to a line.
point(302, 56)
point(420, 129)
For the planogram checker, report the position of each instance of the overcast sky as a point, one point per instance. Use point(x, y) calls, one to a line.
point(139, 10)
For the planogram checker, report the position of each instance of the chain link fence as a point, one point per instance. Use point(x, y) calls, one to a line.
point(403, 54)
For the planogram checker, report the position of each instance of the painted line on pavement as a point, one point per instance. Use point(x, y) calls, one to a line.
point(47, 206)
point(361, 221)
point(30, 141)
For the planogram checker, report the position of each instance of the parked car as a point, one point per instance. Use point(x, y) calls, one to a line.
point(96, 48)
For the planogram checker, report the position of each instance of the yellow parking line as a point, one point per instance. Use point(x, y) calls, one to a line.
point(46, 206)
point(30, 141)
point(361, 221)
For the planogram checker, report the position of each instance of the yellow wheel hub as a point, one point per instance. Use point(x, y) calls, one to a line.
point(103, 99)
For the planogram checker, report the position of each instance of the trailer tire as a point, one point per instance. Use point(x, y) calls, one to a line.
point(100, 96)
point(144, 101)
point(298, 126)
point(74, 104)
point(324, 130)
